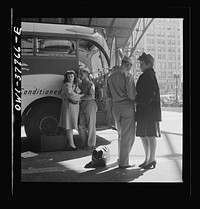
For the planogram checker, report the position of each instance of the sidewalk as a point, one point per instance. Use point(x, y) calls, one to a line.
point(66, 166)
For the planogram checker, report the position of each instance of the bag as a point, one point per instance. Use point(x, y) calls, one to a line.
point(100, 156)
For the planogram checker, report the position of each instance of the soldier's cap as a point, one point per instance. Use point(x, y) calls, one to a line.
point(128, 59)
point(85, 69)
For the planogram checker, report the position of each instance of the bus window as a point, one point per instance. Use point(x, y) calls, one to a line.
point(55, 47)
point(27, 46)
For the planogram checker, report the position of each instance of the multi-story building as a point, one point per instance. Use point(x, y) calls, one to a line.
point(163, 40)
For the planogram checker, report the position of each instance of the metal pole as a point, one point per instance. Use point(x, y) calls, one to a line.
point(176, 88)
point(144, 30)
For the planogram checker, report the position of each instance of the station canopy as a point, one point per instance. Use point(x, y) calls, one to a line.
point(121, 28)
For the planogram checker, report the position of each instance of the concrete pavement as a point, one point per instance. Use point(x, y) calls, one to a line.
point(65, 166)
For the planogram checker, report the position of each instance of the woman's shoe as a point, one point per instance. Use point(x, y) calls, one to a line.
point(71, 148)
point(151, 165)
point(143, 164)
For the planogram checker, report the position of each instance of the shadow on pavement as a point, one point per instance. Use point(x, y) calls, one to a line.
point(51, 159)
point(173, 154)
point(111, 173)
point(166, 132)
point(26, 145)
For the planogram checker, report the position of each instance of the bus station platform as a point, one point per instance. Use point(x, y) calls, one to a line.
point(69, 166)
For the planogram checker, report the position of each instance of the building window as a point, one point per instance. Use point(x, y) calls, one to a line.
point(159, 56)
point(163, 49)
point(172, 42)
point(148, 48)
point(168, 34)
point(173, 65)
point(168, 27)
point(173, 57)
point(169, 65)
point(159, 75)
point(159, 34)
point(163, 74)
point(173, 50)
point(163, 56)
point(162, 34)
point(170, 74)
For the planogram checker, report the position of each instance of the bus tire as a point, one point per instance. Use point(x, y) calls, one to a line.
point(44, 114)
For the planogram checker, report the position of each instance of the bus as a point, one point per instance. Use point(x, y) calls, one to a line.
point(48, 51)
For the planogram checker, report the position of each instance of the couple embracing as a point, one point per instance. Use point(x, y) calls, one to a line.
point(78, 110)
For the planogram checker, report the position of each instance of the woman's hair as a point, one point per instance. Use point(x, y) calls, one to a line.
point(68, 73)
point(147, 59)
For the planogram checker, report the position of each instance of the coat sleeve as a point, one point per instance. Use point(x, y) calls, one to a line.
point(69, 93)
point(146, 89)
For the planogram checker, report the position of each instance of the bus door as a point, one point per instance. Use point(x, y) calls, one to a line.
point(114, 60)
point(92, 57)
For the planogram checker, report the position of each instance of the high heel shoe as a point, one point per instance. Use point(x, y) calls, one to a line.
point(151, 165)
point(71, 148)
point(143, 164)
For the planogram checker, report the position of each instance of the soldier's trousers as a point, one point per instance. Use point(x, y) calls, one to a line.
point(87, 123)
point(124, 115)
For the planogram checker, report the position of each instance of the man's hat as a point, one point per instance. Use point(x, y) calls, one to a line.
point(86, 69)
point(128, 59)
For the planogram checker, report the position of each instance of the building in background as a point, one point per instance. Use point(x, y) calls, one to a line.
point(163, 40)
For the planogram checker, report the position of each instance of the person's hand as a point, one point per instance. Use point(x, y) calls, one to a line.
point(81, 95)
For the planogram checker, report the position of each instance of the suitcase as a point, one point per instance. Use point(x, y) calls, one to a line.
point(53, 143)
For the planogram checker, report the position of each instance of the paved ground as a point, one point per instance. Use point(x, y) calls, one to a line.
point(66, 166)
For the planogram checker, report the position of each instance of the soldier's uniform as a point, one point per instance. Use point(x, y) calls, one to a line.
point(87, 114)
point(121, 90)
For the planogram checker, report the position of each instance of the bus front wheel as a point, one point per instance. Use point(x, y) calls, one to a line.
point(43, 118)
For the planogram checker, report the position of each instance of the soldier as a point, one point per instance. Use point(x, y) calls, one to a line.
point(121, 91)
point(88, 109)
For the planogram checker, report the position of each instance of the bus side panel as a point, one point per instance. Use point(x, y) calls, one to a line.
point(28, 65)
point(53, 65)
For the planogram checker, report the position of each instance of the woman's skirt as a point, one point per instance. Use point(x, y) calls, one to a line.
point(146, 128)
point(69, 115)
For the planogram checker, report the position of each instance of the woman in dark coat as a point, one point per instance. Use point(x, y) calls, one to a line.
point(148, 111)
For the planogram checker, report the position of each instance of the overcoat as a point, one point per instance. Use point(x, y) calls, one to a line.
point(148, 97)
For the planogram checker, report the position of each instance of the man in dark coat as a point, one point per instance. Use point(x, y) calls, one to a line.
point(148, 111)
